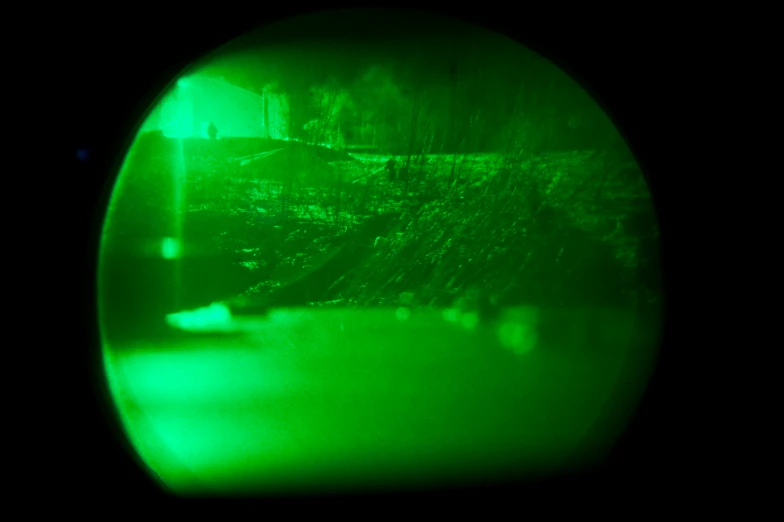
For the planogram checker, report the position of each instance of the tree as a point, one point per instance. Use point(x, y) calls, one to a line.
point(327, 104)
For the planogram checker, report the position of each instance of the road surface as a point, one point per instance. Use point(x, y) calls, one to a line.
point(315, 398)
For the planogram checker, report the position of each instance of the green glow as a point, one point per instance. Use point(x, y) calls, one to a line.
point(469, 320)
point(213, 317)
point(187, 110)
point(322, 395)
point(402, 313)
point(518, 337)
point(451, 314)
point(278, 314)
point(170, 248)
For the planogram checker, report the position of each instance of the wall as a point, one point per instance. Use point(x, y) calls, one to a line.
point(198, 100)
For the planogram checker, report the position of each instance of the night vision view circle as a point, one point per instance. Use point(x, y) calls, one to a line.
point(382, 261)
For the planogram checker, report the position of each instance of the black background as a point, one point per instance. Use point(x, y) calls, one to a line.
point(115, 63)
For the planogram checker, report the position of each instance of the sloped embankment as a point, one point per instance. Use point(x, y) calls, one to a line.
point(573, 228)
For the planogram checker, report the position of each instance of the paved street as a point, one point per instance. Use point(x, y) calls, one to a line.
point(318, 397)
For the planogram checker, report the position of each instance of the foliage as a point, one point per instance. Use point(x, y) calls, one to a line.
point(501, 223)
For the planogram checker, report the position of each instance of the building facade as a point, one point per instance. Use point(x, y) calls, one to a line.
point(196, 101)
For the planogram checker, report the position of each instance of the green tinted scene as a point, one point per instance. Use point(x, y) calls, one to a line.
point(407, 258)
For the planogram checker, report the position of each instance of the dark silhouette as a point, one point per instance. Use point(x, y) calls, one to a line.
point(392, 169)
point(482, 302)
point(212, 131)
